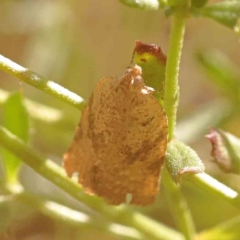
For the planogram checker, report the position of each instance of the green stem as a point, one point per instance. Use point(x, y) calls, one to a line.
point(67, 215)
point(171, 97)
point(171, 94)
point(41, 83)
point(213, 186)
point(54, 173)
point(178, 206)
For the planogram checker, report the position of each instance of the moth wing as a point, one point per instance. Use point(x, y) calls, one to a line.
point(130, 138)
point(80, 157)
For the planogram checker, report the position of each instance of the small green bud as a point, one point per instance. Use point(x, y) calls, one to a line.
point(181, 159)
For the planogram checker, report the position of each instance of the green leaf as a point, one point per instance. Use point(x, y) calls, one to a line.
point(142, 4)
point(222, 71)
point(15, 120)
point(153, 62)
point(181, 159)
point(225, 150)
point(226, 13)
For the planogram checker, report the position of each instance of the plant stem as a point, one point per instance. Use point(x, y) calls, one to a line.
point(213, 186)
point(178, 206)
point(67, 215)
point(56, 175)
point(171, 95)
point(41, 83)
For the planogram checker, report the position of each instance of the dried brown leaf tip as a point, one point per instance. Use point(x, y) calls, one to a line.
point(120, 142)
point(152, 49)
point(225, 150)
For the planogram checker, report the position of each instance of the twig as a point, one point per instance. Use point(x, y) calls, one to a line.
point(67, 215)
point(55, 174)
point(41, 83)
point(171, 94)
point(213, 186)
point(178, 206)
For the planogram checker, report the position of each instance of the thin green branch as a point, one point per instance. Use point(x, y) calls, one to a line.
point(41, 83)
point(178, 206)
point(67, 215)
point(171, 94)
point(55, 174)
point(213, 186)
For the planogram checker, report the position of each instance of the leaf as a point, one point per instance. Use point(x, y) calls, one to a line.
point(142, 4)
point(226, 13)
point(15, 120)
point(181, 159)
point(225, 150)
point(153, 63)
point(120, 143)
point(222, 71)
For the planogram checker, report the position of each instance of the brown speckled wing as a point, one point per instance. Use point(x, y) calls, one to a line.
point(120, 143)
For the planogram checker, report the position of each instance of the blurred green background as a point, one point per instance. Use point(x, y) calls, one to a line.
point(76, 43)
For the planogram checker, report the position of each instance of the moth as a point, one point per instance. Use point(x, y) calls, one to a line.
point(120, 142)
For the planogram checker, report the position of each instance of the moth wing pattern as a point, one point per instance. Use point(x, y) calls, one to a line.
point(120, 144)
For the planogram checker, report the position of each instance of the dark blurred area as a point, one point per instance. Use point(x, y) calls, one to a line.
point(76, 43)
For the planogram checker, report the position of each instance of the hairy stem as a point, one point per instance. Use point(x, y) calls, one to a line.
point(178, 206)
point(213, 186)
point(41, 83)
point(171, 94)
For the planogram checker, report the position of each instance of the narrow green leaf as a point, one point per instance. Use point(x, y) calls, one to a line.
point(222, 71)
point(15, 120)
point(153, 63)
point(226, 13)
point(181, 159)
point(225, 150)
point(142, 4)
